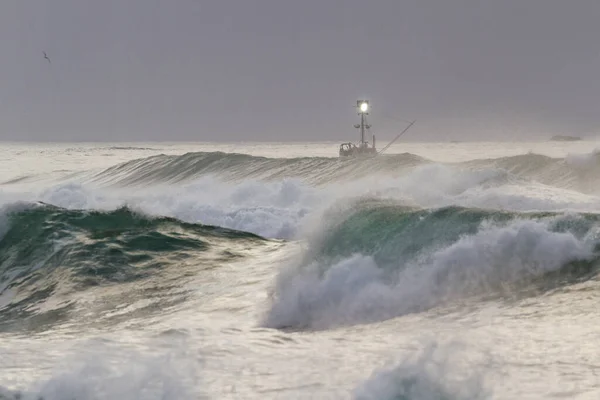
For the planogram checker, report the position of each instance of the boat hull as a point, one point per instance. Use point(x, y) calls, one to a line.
point(351, 150)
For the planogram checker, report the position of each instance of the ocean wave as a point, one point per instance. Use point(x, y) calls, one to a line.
point(374, 262)
point(48, 252)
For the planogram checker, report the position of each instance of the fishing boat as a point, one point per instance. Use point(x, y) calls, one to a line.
point(363, 148)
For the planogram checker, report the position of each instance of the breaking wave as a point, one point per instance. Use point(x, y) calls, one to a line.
point(375, 261)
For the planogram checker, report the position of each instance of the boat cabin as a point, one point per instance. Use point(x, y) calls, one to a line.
point(350, 149)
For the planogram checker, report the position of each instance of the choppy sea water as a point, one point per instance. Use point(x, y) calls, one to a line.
point(278, 271)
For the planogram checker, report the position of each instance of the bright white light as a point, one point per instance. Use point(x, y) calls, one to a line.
point(364, 107)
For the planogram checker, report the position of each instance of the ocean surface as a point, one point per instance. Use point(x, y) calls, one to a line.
point(440, 271)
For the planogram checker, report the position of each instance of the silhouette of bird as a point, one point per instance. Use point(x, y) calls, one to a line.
point(47, 58)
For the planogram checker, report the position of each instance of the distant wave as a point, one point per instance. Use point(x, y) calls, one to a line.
point(87, 149)
point(48, 252)
point(180, 168)
point(55, 176)
point(577, 172)
point(375, 261)
point(129, 148)
point(580, 172)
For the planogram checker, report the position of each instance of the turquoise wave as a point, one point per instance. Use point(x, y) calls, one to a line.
point(48, 251)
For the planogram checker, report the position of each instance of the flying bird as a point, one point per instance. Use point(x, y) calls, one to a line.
point(47, 58)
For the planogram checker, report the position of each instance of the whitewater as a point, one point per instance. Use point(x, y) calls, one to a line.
point(439, 271)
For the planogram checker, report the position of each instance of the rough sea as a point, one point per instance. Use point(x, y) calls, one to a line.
point(440, 271)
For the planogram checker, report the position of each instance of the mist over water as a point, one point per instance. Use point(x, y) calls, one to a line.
point(169, 272)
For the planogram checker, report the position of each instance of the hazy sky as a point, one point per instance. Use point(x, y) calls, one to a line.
point(250, 70)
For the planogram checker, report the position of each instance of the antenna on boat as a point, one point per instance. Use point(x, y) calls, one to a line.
point(397, 137)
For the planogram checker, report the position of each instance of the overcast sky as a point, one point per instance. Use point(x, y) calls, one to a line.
point(249, 70)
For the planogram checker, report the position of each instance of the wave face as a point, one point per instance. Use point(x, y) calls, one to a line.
point(49, 254)
point(375, 261)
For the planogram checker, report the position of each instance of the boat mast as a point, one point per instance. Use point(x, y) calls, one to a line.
point(362, 129)
point(363, 110)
